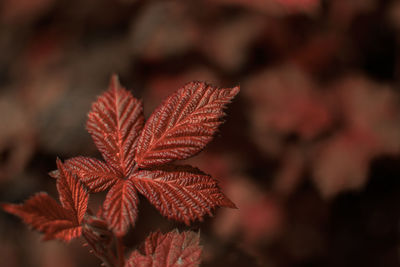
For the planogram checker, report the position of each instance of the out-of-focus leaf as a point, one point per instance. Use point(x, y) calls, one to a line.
point(285, 101)
point(371, 117)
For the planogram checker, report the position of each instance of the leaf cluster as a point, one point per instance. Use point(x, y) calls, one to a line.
point(138, 157)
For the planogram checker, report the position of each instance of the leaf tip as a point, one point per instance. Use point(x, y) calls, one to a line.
point(235, 90)
point(227, 203)
point(59, 163)
point(114, 82)
point(60, 168)
point(4, 206)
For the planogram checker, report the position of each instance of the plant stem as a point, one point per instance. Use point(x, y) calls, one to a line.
point(107, 257)
point(120, 251)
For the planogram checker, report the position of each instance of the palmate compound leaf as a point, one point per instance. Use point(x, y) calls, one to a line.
point(179, 128)
point(114, 122)
point(173, 249)
point(183, 124)
point(44, 214)
point(182, 193)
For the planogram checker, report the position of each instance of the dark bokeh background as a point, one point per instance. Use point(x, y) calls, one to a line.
point(310, 148)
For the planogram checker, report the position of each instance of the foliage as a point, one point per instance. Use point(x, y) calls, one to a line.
point(310, 156)
point(137, 159)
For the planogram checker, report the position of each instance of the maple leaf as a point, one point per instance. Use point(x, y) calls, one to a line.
point(167, 250)
point(133, 152)
point(44, 214)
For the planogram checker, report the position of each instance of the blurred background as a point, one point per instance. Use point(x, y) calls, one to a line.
point(310, 148)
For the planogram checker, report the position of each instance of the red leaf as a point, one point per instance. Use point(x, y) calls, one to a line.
point(115, 122)
point(94, 173)
point(183, 124)
point(341, 163)
point(120, 206)
point(73, 195)
point(44, 214)
point(170, 250)
point(181, 193)
point(63, 230)
point(56, 221)
point(179, 128)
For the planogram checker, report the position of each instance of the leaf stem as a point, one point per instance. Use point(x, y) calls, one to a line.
point(108, 258)
point(120, 251)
